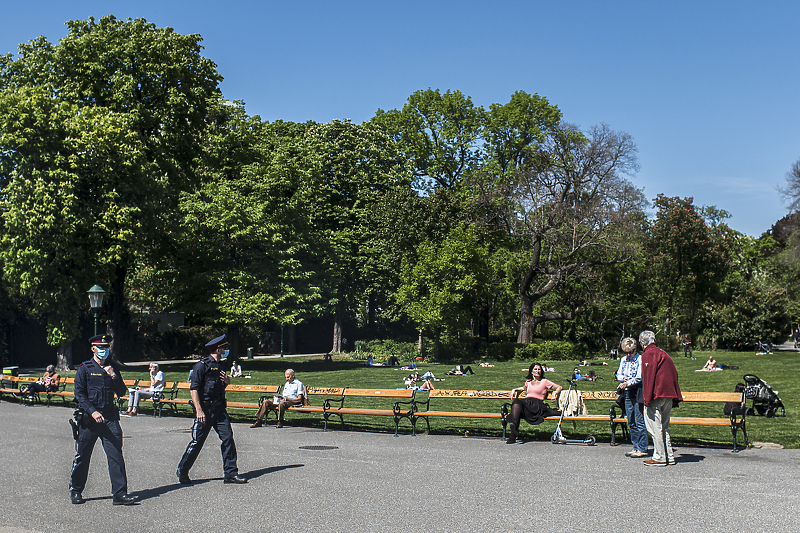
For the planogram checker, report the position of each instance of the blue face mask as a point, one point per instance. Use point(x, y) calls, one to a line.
point(225, 354)
point(102, 353)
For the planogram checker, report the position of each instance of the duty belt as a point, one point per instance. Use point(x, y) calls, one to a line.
point(211, 405)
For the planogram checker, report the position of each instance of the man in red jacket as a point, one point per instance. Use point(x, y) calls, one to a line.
point(661, 394)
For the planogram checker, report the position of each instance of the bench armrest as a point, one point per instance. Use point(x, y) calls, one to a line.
point(411, 403)
point(417, 404)
point(326, 404)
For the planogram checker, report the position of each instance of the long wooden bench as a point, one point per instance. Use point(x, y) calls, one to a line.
point(169, 396)
point(14, 385)
point(334, 398)
point(422, 410)
point(422, 407)
point(736, 420)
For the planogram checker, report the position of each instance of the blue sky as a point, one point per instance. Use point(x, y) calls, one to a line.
point(708, 89)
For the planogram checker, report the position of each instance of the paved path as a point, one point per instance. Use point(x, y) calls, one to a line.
point(376, 482)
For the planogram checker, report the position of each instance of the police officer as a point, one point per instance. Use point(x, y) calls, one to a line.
point(95, 385)
point(208, 382)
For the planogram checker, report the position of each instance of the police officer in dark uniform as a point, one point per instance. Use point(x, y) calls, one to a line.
point(207, 388)
point(95, 385)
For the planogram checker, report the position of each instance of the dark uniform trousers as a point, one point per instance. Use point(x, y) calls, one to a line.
point(110, 434)
point(218, 419)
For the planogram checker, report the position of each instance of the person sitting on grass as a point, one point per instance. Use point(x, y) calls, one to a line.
point(592, 363)
point(711, 364)
point(413, 380)
point(577, 376)
point(236, 369)
point(371, 362)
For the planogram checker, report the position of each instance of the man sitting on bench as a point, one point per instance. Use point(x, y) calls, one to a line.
point(293, 394)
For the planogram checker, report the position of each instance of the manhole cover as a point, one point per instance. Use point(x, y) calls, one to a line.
point(319, 447)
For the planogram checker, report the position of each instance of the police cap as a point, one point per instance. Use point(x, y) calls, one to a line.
point(100, 340)
point(219, 341)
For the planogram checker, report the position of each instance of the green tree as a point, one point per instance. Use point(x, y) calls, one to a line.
point(439, 133)
point(567, 215)
point(437, 287)
point(98, 136)
point(689, 257)
point(514, 131)
point(244, 232)
point(349, 168)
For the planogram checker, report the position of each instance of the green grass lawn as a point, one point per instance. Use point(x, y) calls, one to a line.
point(780, 370)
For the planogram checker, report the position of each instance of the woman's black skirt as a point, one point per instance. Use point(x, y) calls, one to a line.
point(535, 410)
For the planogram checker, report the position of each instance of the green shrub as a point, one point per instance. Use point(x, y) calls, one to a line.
point(548, 351)
point(382, 349)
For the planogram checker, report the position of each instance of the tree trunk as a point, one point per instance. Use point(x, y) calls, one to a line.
point(668, 321)
point(480, 325)
point(117, 326)
point(233, 342)
point(64, 357)
point(371, 318)
point(419, 342)
point(526, 323)
point(337, 332)
point(290, 345)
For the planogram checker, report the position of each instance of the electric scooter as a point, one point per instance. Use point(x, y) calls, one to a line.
point(558, 437)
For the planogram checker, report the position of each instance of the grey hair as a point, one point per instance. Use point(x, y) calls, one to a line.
point(646, 338)
point(51, 368)
point(628, 344)
point(290, 370)
point(155, 365)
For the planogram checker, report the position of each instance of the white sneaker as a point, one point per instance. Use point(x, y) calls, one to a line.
point(637, 453)
point(630, 453)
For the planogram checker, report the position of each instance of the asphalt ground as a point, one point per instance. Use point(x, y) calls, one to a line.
point(360, 481)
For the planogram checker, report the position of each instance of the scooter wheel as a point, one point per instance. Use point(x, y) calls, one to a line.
point(554, 439)
point(590, 440)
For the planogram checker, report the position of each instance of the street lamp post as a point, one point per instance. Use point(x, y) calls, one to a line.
point(96, 294)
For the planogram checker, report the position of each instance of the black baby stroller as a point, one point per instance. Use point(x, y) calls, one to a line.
point(765, 400)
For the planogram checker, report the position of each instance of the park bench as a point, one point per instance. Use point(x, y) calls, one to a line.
point(422, 407)
point(62, 391)
point(307, 407)
point(14, 385)
point(256, 389)
point(334, 398)
point(735, 421)
point(169, 396)
point(422, 410)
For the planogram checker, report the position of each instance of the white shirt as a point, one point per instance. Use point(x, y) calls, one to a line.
point(157, 382)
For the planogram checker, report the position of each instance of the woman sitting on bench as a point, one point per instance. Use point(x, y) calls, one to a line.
point(532, 408)
point(47, 383)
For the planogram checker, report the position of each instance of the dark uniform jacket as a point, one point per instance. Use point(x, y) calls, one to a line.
point(206, 380)
point(94, 390)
